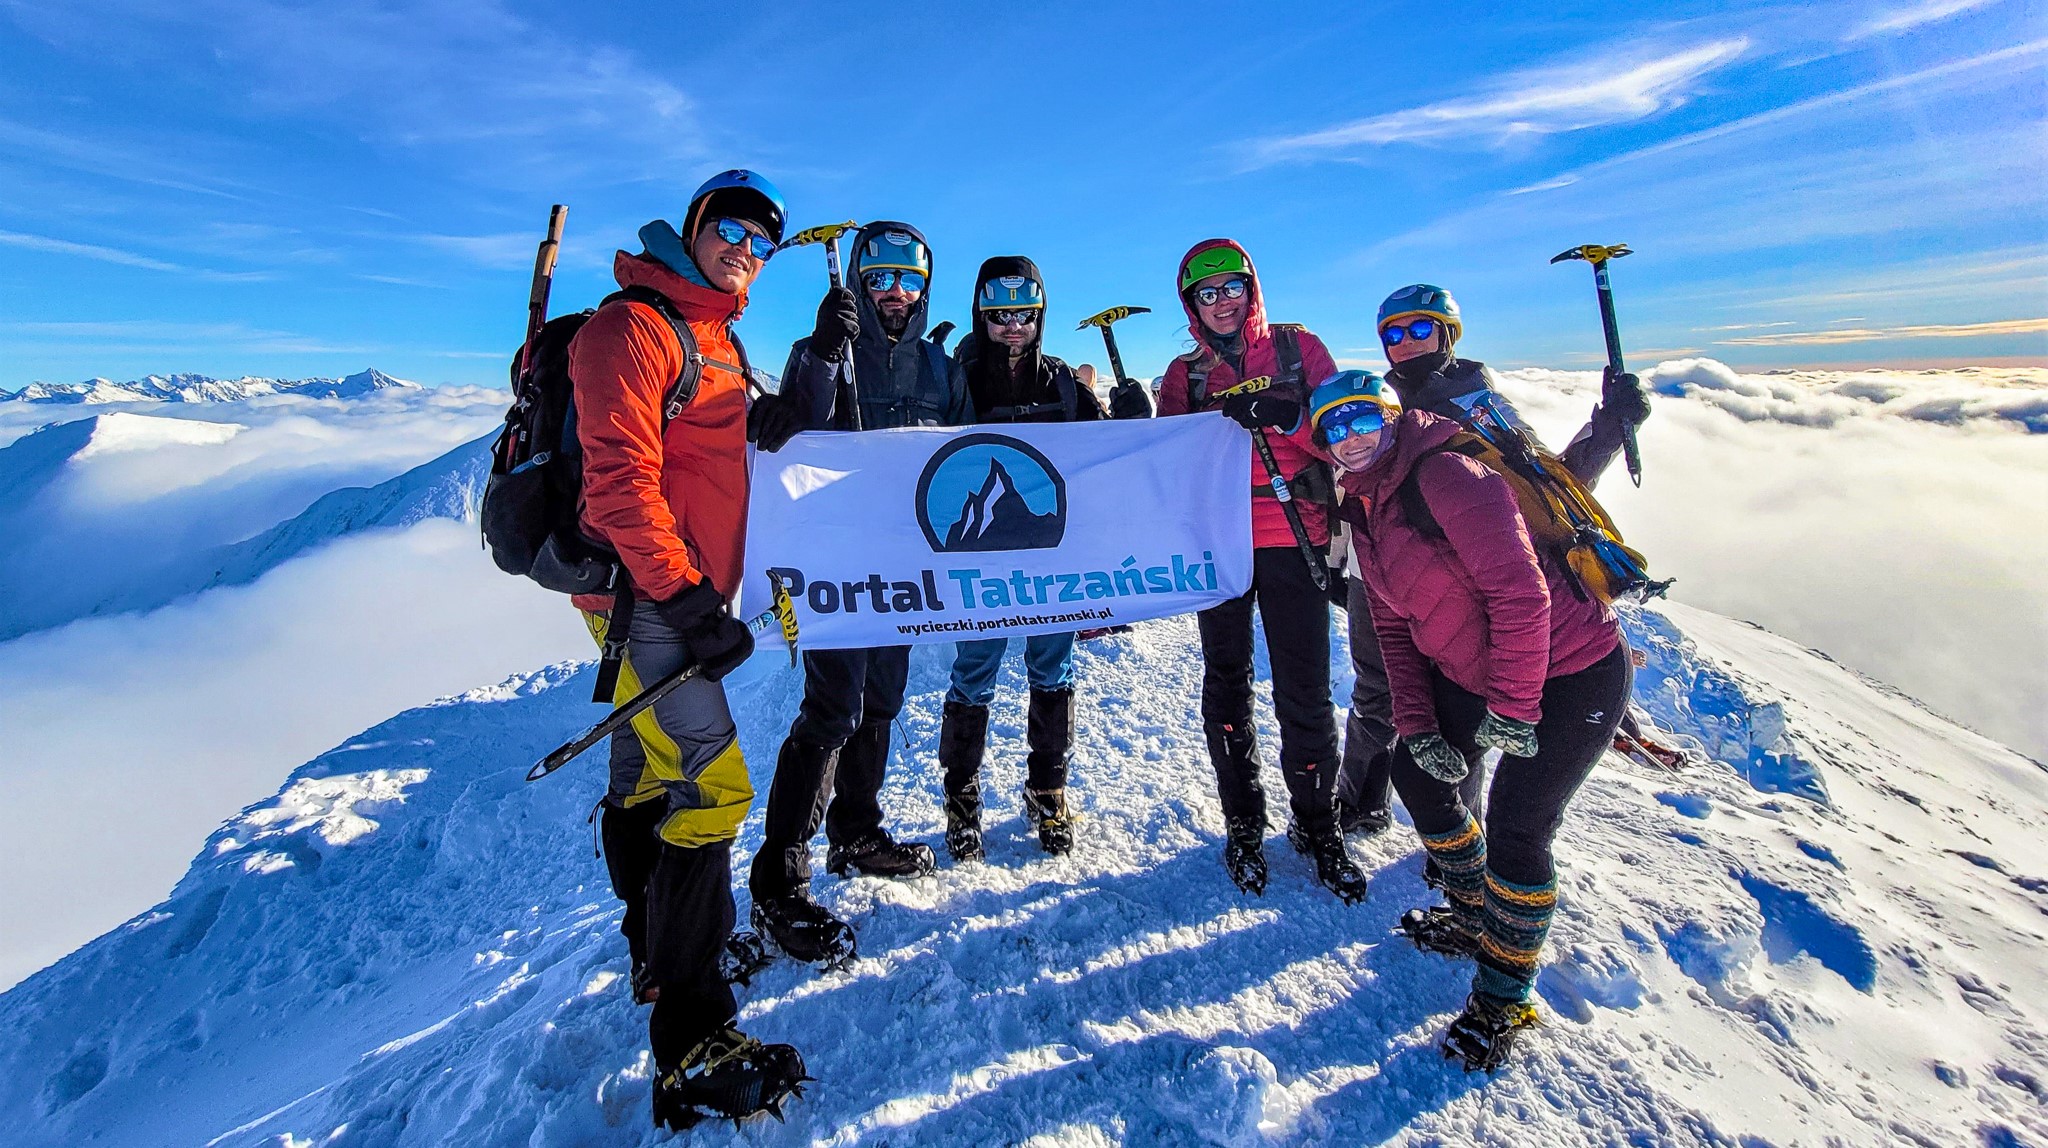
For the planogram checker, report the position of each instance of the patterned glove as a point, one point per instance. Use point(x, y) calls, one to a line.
point(1621, 397)
point(1511, 737)
point(1436, 757)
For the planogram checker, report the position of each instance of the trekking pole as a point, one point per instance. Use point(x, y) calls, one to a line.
point(828, 234)
point(1598, 256)
point(780, 611)
point(1285, 497)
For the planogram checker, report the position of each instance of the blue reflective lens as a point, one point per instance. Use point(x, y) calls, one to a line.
point(735, 233)
point(913, 281)
point(1228, 289)
point(1365, 420)
point(1418, 330)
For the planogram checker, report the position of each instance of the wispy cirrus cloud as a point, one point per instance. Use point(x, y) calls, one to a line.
point(1542, 101)
point(55, 246)
point(1895, 20)
point(1877, 334)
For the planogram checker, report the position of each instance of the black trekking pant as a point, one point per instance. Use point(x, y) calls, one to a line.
point(1296, 617)
point(1526, 803)
point(840, 747)
point(631, 848)
point(689, 916)
point(1365, 783)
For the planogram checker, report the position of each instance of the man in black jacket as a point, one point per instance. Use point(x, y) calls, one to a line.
point(838, 745)
point(1003, 368)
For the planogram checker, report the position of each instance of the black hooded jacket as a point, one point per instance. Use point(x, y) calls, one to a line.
point(1043, 389)
point(903, 382)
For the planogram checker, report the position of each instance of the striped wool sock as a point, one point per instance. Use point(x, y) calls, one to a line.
point(1517, 921)
point(1460, 856)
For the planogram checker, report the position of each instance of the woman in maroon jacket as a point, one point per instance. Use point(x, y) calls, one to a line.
point(1488, 645)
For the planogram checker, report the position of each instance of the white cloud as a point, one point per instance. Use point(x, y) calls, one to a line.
point(101, 254)
point(1869, 514)
point(1896, 20)
point(126, 740)
point(1878, 334)
point(1535, 102)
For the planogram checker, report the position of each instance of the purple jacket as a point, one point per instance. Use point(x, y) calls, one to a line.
point(1478, 604)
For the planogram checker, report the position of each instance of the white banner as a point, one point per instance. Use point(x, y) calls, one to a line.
point(900, 537)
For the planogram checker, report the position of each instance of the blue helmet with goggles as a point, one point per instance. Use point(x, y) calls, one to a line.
point(892, 256)
point(1422, 301)
point(1348, 403)
point(1009, 293)
point(737, 194)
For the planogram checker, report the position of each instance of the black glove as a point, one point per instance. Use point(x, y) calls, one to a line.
point(772, 422)
point(1263, 409)
point(1622, 397)
point(1127, 400)
point(717, 641)
point(838, 324)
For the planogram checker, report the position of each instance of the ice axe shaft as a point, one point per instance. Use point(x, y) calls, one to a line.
point(543, 276)
point(828, 234)
point(1104, 319)
point(780, 611)
point(1599, 255)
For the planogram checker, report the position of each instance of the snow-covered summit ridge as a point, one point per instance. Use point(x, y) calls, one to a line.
point(410, 945)
point(190, 388)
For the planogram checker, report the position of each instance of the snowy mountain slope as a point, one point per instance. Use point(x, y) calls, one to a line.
point(1833, 936)
point(188, 388)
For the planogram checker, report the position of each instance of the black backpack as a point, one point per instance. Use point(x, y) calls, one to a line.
point(533, 499)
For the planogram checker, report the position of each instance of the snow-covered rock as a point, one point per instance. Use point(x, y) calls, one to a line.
point(1829, 935)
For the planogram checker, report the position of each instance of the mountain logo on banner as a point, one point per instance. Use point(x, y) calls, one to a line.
point(991, 492)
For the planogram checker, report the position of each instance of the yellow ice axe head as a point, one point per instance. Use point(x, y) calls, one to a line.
point(1593, 253)
point(785, 612)
point(1248, 387)
point(825, 233)
point(1104, 318)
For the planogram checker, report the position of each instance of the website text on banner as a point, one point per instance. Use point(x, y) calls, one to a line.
point(895, 537)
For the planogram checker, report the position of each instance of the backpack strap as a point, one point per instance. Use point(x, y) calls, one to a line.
point(1198, 378)
point(1414, 506)
point(681, 392)
point(1287, 342)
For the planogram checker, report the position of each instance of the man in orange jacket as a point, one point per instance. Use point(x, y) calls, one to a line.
point(665, 486)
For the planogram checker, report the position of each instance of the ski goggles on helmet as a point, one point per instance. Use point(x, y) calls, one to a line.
point(1417, 329)
point(1011, 318)
point(912, 281)
point(1351, 419)
point(1228, 289)
point(735, 233)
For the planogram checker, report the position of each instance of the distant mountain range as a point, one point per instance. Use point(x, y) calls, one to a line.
point(201, 389)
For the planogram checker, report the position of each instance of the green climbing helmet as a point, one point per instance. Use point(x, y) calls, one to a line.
point(1222, 259)
point(1422, 301)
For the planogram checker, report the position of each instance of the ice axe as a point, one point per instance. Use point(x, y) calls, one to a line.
point(780, 611)
point(1598, 255)
point(1104, 319)
point(828, 234)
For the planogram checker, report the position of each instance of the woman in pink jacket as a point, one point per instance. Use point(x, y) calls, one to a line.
point(1234, 344)
point(1488, 645)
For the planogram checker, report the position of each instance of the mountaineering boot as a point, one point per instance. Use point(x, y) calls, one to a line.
point(1244, 853)
point(1432, 875)
point(963, 733)
point(1049, 731)
point(729, 1075)
point(744, 955)
point(805, 930)
point(1046, 809)
point(1335, 870)
point(1484, 1034)
point(1439, 929)
point(879, 855)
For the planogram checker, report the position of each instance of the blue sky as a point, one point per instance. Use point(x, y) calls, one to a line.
point(293, 189)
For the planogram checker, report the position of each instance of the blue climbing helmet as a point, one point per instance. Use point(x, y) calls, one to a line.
point(1009, 293)
point(893, 250)
point(1422, 301)
point(1348, 400)
point(737, 194)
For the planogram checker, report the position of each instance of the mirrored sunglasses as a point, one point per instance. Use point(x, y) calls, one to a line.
point(912, 281)
point(735, 233)
point(1008, 318)
point(1365, 419)
point(1228, 289)
point(1417, 330)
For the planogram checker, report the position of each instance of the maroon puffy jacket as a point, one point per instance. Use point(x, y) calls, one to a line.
point(1478, 604)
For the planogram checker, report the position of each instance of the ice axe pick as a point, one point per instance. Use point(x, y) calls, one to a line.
point(1599, 255)
point(1104, 319)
